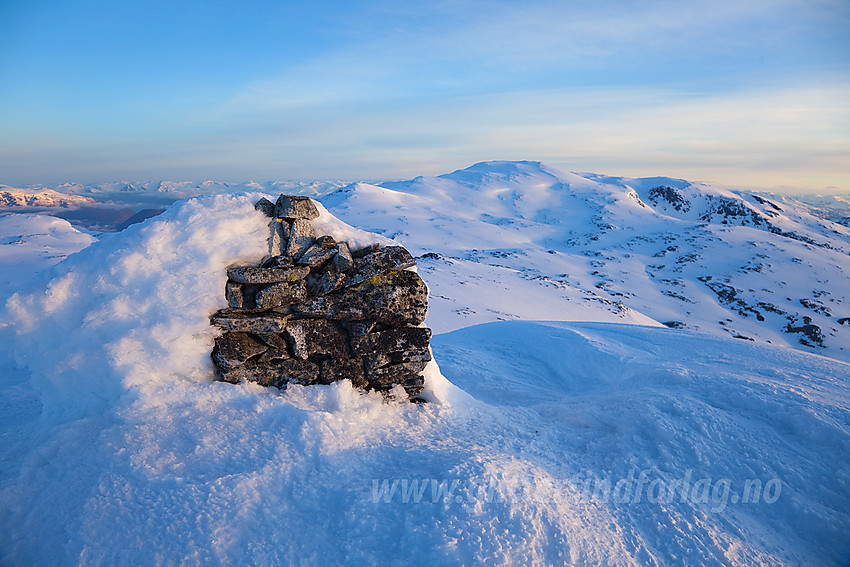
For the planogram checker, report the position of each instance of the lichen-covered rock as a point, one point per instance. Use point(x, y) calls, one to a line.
point(280, 295)
point(249, 322)
point(235, 349)
point(301, 237)
point(251, 275)
point(396, 298)
point(294, 207)
point(377, 262)
point(392, 340)
point(308, 337)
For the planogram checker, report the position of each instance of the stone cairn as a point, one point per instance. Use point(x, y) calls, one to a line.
point(314, 311)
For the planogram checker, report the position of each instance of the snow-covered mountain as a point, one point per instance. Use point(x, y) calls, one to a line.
point(522, 240)
point(560, 436)
point(12, 197)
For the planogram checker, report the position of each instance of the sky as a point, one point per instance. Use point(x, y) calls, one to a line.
point(741, 94)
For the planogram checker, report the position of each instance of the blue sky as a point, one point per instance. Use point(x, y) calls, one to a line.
point(752, 93)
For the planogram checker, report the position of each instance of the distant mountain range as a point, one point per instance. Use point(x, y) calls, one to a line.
point(11, 197)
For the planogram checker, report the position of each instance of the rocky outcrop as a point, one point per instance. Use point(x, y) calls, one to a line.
point(314, 311)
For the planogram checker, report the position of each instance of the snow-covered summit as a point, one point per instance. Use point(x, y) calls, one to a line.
point(606, 248)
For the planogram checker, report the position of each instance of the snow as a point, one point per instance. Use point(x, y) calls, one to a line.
point(523, 240)
point(31, 243)
point(546, 442)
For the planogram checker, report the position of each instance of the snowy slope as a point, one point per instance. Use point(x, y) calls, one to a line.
point(527, 241)
point(31, 243)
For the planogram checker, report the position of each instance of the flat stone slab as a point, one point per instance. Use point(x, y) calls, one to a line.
point(294, 207)
point(249, 322)
point(251, 275)
point(392, 340)
point(407, 374)
point(277, 373)
point(234, 349)
point(373, 362)
point(280, 237)
point(301, 238)
point(395, 298)
point(377, 262)
point(316, 256)
point(281, 294)
point(309, 337)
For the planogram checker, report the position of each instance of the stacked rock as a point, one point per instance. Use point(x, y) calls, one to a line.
point(314, 311)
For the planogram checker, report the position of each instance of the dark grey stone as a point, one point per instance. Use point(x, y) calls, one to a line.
point(277, 341)
point(342, 261)
point(280, 237)
point(235, 295)
point(234, 349)
point(396, 298)
point(299, 371)
point(252, 275)
point(334, 369)
point(277, 373)
point(392, 340)
point(309, 337)
point(293, 207)
point(265, 206)
point(358, 328)
point(360, 252)
point(281, 294)
point(408, 374)
point(316, 256)
point(327, 282)
point(377, 262)
point(375, 361)
point(249, 322)
point(277, 262)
